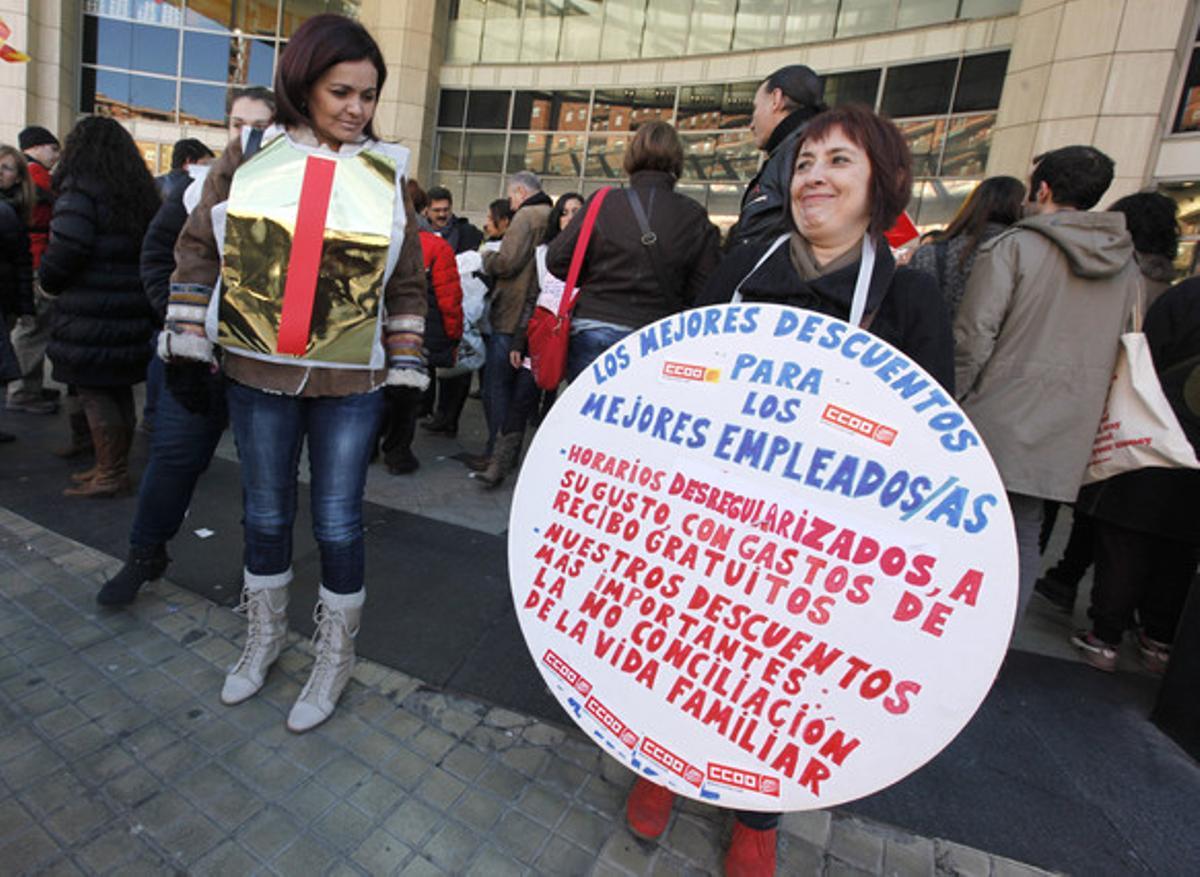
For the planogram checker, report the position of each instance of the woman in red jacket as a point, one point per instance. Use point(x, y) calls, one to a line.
point(443, 329)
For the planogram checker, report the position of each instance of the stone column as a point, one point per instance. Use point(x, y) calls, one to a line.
point(1096, 72)
point(412, 35)
point(42, 91)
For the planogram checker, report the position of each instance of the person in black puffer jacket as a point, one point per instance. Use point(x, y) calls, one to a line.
point(100, 334)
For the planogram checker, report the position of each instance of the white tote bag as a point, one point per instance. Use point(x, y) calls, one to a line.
point(1138, 428)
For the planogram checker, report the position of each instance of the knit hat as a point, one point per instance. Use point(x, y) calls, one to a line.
point(799, 83)
point(36, 135)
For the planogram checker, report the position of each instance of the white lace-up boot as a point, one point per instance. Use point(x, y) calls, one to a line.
point(337, 617)
point(264, 603)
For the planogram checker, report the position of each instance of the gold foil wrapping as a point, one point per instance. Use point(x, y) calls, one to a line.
point(263, 201)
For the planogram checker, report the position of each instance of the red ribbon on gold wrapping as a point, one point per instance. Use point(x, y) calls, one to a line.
point(304, 263)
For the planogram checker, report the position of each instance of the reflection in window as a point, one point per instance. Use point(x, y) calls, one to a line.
point(918, 89)
point(140, 47)
point(605, 156)
point(925, 138)
point(730, 156)
point(485, 152)
point(204, 104)
point(988, 8)
point(980, 81)
point(934, 202)
point(296, 12)
point(125, 96)
point(145, 11)
point(713, 107)
point(488, 109)
point(247, 16)
point(550, 110)
point(553, 155)
point(255, 62)
point(967, 141)
point(1188, 117)
point(626, 109)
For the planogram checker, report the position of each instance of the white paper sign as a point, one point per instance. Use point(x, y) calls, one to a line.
point(763, 559)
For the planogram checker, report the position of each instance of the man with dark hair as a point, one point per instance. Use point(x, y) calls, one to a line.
point(1037, 335)
point(454, 230)
point(785, 100)
point(184, 154)
point(251, 107)
point(32, 333)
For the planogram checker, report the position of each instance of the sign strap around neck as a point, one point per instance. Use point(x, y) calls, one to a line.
point(571, 291)
point(862, 286)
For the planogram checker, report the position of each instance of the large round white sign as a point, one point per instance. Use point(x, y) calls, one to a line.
point(762, 558)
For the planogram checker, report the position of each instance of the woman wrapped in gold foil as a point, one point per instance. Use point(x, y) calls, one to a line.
point(301, 268)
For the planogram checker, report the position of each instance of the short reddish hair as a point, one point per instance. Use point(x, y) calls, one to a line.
point(886, 149)
point(323, 41)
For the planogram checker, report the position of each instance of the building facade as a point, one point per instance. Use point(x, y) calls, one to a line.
point(482, 88)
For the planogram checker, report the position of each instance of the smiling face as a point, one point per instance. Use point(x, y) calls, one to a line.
point(831, 183)
point(342, 102)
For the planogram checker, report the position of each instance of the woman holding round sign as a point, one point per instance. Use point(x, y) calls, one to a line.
point(852, 178)
point(319, 302)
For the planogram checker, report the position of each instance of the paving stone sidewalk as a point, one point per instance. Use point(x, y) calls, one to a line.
point(116, 757)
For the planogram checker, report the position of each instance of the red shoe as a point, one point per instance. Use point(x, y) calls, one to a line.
point(751, 852)
point(648, 809)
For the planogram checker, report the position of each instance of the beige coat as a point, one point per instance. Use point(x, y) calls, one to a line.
point(1036, 340)
point(513, 264)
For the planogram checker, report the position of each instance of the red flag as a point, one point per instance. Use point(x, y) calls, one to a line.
point(902, 232)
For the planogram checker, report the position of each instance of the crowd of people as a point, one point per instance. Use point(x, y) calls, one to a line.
point(1016, 308)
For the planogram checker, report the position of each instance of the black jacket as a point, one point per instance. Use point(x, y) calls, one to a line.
point(100, 335)
point(912, 317)
point(16, 265)
point(1162, 502)
point(766, 201)
point(461, 235)
point(618, 283)
point(158, 250)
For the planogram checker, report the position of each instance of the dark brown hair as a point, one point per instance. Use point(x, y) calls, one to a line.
point(416, 195)
point(995, 200)
point(655, 147)
point(886, 149)
point(322, 42)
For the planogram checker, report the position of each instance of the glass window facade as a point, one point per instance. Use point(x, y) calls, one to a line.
point(1187, 117)
point(174, 61)
point(576, 140)
point(504, 31)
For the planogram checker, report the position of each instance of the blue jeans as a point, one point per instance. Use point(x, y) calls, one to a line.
point(181, 448)
point(155, 386)
point(270, 430)
point(498, 379)
point(587, 345)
